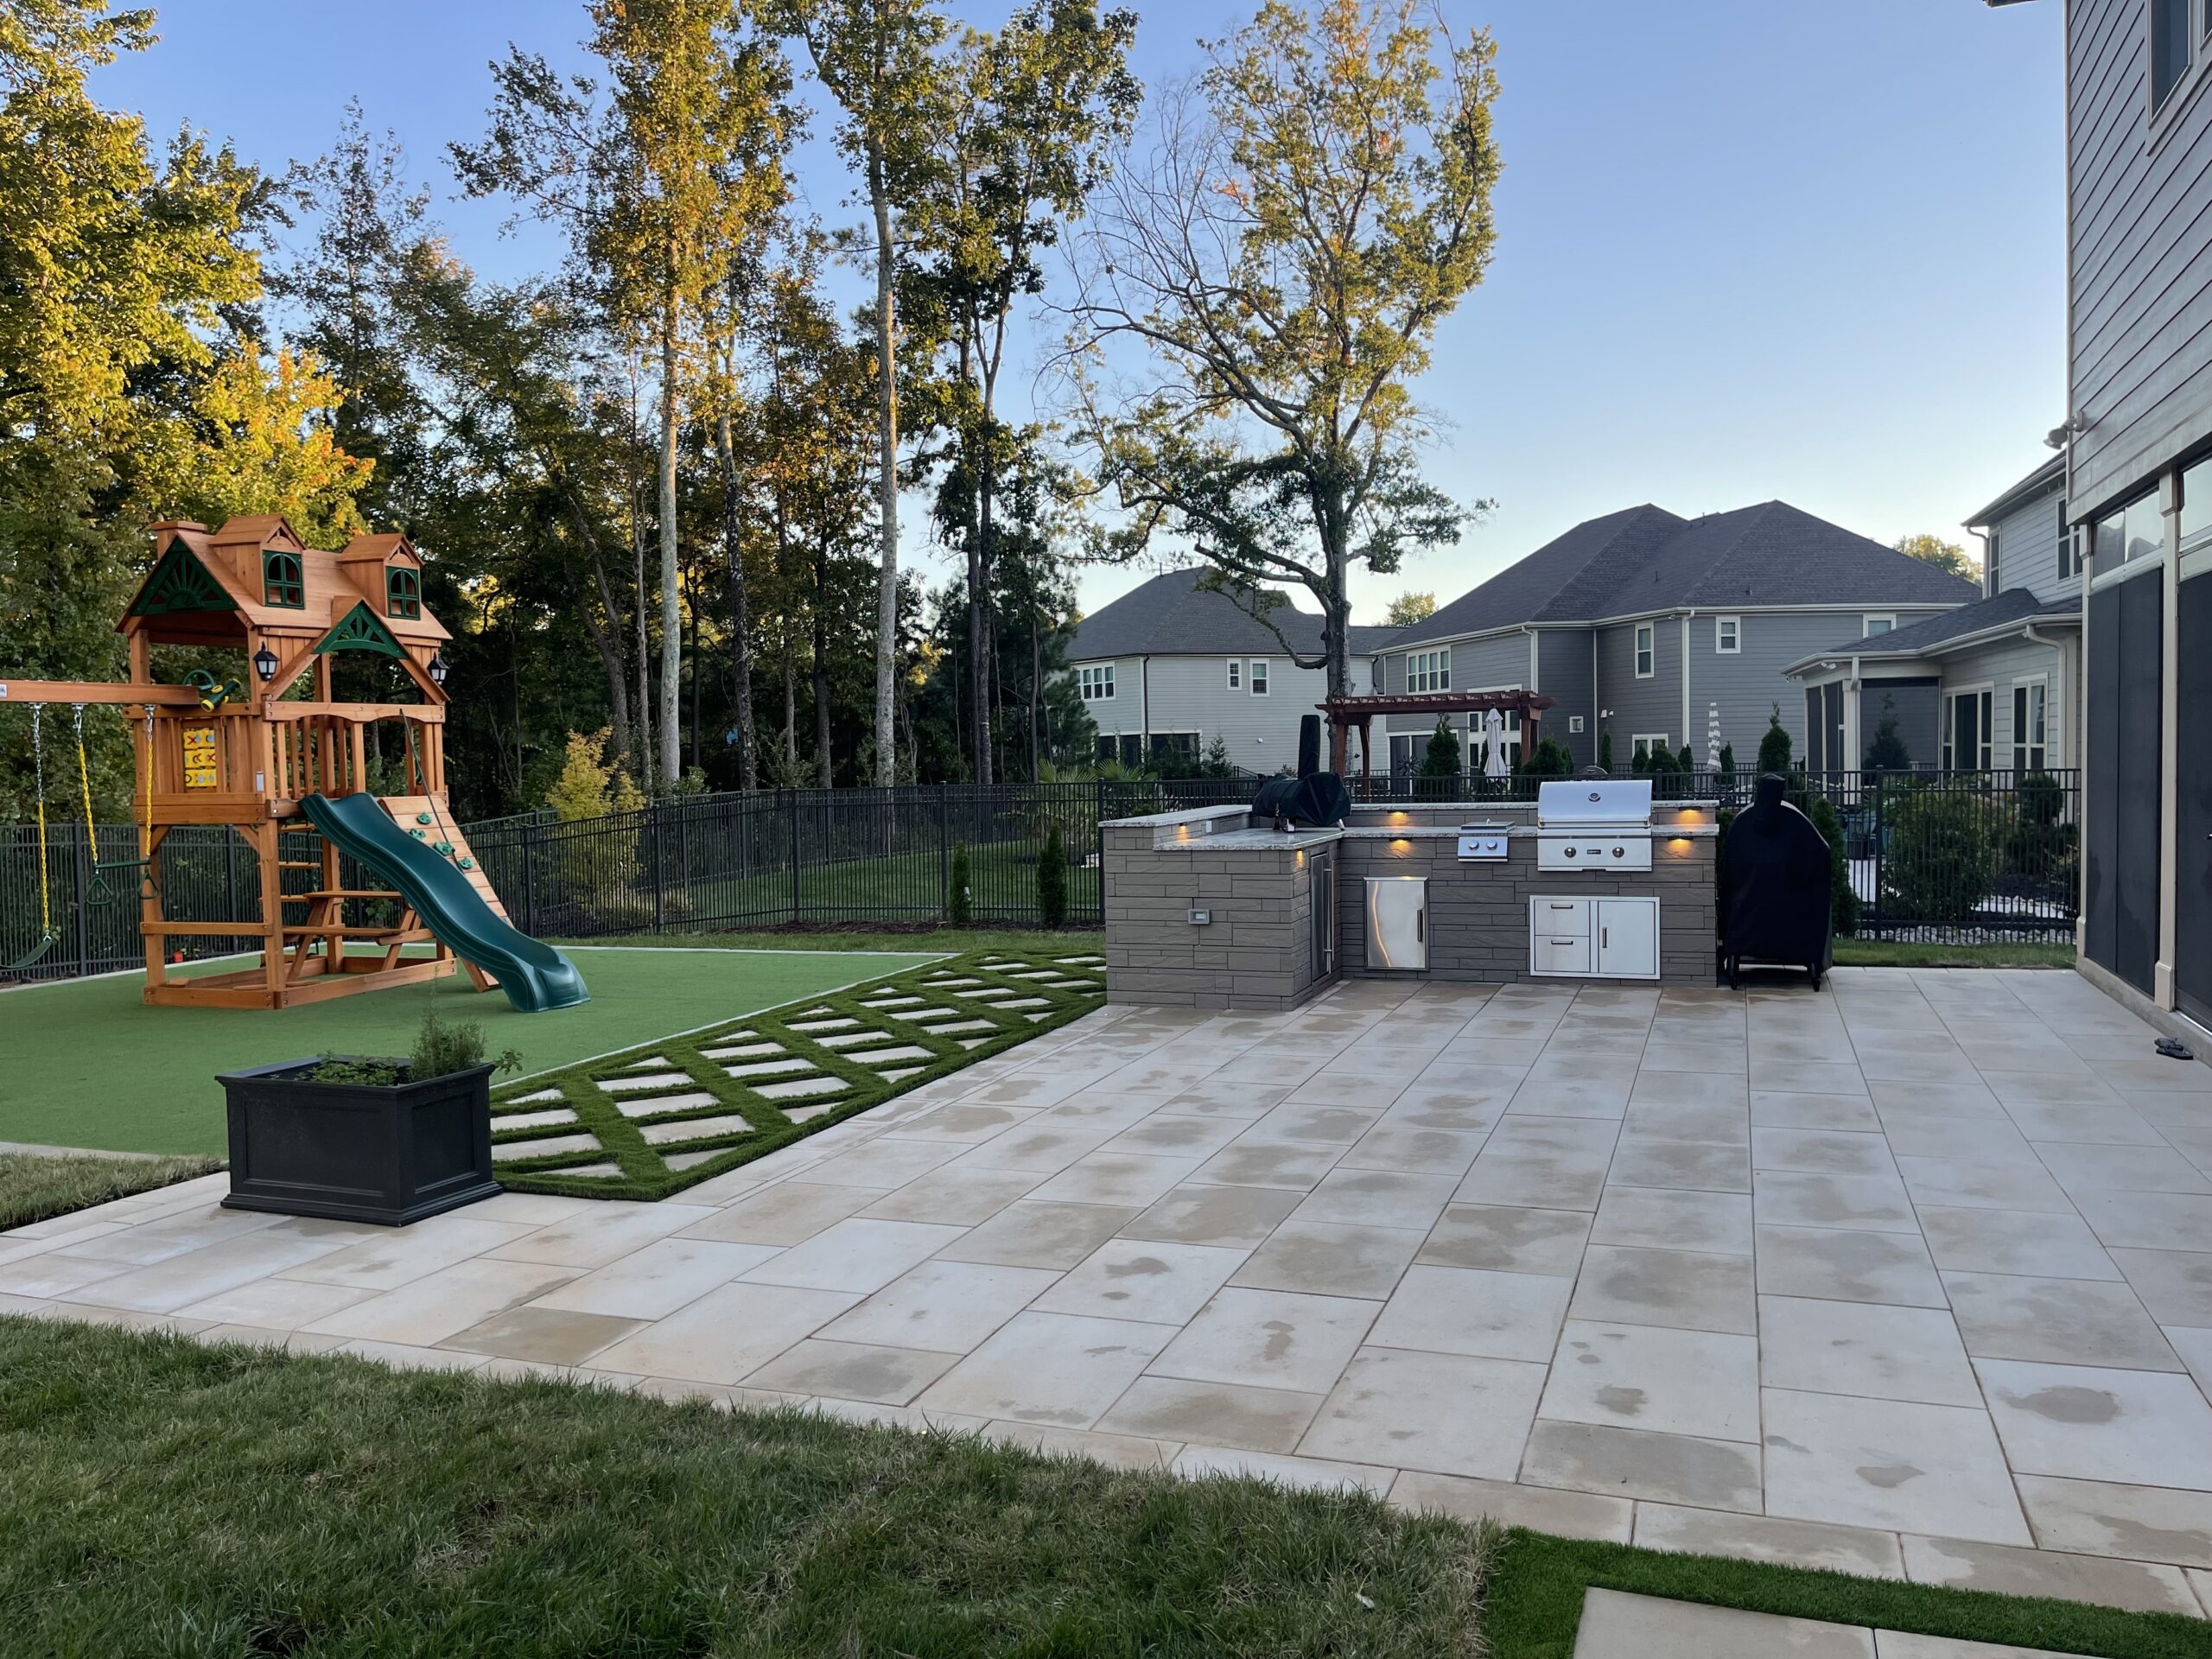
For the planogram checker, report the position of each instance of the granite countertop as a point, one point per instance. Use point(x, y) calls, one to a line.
point(1517, 832)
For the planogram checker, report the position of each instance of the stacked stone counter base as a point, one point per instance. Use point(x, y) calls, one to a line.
point(1256, 889)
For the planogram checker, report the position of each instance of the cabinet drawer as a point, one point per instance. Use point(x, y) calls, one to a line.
point(1560, 953)
point(1561, 917)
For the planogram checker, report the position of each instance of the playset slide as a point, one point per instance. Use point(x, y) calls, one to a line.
point(450, 899)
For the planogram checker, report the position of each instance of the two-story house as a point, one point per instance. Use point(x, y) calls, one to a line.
point(1992, 686)
point(1653, 630)
point(1170, 666)
point(2138, 488)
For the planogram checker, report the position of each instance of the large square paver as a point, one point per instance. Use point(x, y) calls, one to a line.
point(1640, 1463)
point(1896, 1464)
point(1618, 1626)
point(1465, 1311)
point(1697, 1382)
point(1511, 1239)
point(727, 1334)
point(1139, 1279)
point(1688, 1290)
point(1058, 1369)
point(1863, 1348)
point(2149, 1427)
point(946, 1307)
point(1446, 1414)
point(1272, 1338)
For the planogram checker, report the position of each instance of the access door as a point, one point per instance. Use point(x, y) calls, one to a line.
point(2193, 811)
point(1321, 870)
point(1628, 938)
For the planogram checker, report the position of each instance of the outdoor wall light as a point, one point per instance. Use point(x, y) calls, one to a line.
point(439, 669)
point(264, 665)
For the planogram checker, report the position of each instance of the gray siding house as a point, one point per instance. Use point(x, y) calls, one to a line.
point(2139, 489)
point(1992, 686)
point(1168, 667)
point(1653, 629)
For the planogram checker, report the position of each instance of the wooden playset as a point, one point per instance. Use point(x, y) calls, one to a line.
point(252, 757)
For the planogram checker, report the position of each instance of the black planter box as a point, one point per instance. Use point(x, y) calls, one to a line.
point(358, 1152)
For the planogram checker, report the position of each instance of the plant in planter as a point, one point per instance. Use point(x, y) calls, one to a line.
point(358, 1138)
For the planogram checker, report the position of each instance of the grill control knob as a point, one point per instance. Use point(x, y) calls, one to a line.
point(1570, 852)
point(1620, 852)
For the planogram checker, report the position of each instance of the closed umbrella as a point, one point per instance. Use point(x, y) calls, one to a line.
point(1494, 745)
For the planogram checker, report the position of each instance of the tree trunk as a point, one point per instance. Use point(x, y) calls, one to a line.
point(822, 772)
point(886, 436)
point(1036, 694)
point(790, 704)
point(741, 622)
point(607, 640)
point(671, 610)
point(642, 765)
point(982, 637)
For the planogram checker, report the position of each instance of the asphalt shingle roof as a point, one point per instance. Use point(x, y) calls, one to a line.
point(1170, 615)
point(2013, 605)
point(1648, 559)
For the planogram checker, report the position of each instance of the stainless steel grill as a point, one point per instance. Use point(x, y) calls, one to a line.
point(1585, 823)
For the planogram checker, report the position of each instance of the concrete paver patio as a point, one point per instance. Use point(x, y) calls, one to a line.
point(1913, 1278)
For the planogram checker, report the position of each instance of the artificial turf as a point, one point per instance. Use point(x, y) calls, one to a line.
point(743, 1089)
point(86, 1063)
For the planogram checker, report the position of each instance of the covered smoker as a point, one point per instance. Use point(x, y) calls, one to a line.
point(1775, 904)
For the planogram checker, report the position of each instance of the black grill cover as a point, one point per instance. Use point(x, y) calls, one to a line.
point(1315, 801)
point(1775, 905)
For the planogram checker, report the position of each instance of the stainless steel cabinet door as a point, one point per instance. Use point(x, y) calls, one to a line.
point(1397, 921)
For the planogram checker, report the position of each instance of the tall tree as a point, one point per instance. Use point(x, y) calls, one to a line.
point(879, 60)
point(1408, 609)
point(1035, 112)
point(1312, 209)
point(661, 181)
point(1944, 555)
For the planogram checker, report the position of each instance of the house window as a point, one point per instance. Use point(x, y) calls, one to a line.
point(1996, 582)
point(2168, 48)
point(2030, 728)
point(1966, 730)
point(1429, 671)
point(2069, 550)
point(1259, 677)
point(1375, 675)
point(2196, 500)
point(1643, 744)
point(1728, 635)
point(281, 582)
point(402, 591)
point(1235, 674)
point(1098, 683)
point(1574, 725)
point(1647, 640)
point(1870, 625)
point(2129, 533)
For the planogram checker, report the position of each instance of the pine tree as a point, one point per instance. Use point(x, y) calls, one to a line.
point(1887, 752)
point(957, 910)
point(1052, 882)
point(1774, 747)
point(1605, 752)
point(1440, 762)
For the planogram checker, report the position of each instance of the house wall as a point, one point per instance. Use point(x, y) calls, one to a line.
point(2027, 540)
point(1565, 672)
point(2001, 667)
point(1640, 706)
point(2140, 313)
point(1191, 693)
point(1749, 685)
point(1476, 664)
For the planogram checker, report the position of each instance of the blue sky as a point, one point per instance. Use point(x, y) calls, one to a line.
point(1747, 250)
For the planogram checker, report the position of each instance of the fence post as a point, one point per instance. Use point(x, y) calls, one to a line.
point(652, 824)
point(791, 798)
point(529, 881)
point(1881, 838)
point(84, 880)
point(943, 848)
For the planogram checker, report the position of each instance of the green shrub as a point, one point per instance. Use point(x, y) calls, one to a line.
point(2038, 842)
point(1941, 862)
point(1728, 762)
point(1843, 899)
point(1774, 747)
point(1439, 764)
point(1052, 882)
point(1551, 759)
point(1686, 762)
point(957, 912)
point(1887, 752)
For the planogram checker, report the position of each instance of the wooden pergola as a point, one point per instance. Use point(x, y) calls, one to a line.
point(1345, 713)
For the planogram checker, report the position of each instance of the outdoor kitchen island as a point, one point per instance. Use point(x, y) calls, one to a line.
point(1204, 910)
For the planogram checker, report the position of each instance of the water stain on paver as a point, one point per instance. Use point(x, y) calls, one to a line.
point(2137, 1541)
point(1888, 1476)
point(2069, 1404)
point(1139, 1264)
point(1280, 1333)
point(1110, 1348)
point(1786, 1444)
point(1627, 1402)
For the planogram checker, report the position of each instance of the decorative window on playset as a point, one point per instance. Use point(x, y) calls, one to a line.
point(280, 581)
point(402, 591)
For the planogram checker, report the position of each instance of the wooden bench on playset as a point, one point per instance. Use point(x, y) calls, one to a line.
point(244, 753)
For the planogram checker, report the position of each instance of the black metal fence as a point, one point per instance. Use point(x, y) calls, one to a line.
point(1938, 856)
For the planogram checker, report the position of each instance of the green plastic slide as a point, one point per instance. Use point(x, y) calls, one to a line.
point(535, 976)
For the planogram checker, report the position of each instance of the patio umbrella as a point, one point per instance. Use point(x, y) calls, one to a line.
point(1494, 745)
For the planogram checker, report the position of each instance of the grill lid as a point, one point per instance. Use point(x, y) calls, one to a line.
point(1577, 803)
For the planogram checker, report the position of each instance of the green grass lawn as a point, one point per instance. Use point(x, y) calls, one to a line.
point(861, 937)
point(85, 1063)
point(166, 1498)
point(36, 1189)
point(1886, 953)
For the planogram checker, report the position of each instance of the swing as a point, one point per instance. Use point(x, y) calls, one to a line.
point(100, 893)
point(48, 934)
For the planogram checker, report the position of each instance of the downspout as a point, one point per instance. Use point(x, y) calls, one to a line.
point(1687, 615)
point(1144, 710)
point(1852, 720)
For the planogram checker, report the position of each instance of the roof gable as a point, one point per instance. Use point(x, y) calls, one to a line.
point(1173, 615)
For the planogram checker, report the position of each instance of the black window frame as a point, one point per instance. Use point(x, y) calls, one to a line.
point(275, 585)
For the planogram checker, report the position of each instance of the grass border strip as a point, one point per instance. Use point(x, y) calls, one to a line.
point(645, 1173)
